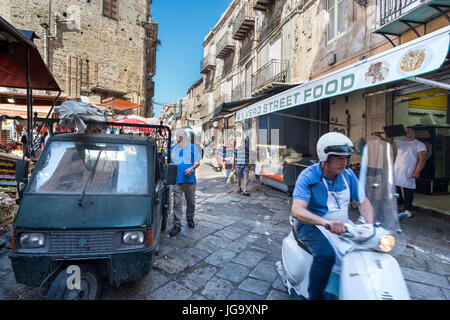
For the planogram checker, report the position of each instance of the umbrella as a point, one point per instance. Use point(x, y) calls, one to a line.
point(133, 121)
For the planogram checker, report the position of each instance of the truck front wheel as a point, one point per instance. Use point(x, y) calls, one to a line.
point(63, 288)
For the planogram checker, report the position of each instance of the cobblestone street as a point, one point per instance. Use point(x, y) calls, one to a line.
point(232, 251)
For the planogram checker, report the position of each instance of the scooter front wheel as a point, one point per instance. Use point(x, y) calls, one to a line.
point(90, 285)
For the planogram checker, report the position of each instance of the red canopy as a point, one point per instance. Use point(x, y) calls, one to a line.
point(13, 61)
point(118, 104)
point(133, 121)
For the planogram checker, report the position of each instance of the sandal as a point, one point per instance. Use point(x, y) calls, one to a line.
point(246, 194)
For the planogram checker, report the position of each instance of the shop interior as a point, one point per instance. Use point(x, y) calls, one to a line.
point(287, 142)
point(427, 110)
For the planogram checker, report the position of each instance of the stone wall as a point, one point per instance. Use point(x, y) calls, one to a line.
point(94, 55)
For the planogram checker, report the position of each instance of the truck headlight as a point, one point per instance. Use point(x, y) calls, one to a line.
point(133, 237)
point(387, 243)
point(31, 240)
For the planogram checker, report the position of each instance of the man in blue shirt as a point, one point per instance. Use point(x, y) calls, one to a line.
point(321, 198)
point(187, 158)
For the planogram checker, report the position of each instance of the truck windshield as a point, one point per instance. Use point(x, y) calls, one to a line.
point(121, 169)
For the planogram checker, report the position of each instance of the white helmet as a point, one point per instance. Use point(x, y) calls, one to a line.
point(334, 143)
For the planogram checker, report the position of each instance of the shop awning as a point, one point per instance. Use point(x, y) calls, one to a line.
point(409, 60)
point(118, 104)
point(13, 61)
point(228, 108)
point(207, 118)
point(12, 111)
point(21, 99)
point(29, 34)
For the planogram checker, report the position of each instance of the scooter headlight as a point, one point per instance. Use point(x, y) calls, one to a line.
point(31, 240)
point(133, 237)
point(387, 243)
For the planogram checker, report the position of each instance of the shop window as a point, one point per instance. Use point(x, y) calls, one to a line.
point(336, 24)
point(111, 9)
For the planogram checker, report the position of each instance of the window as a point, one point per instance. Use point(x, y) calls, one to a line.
point(111, 9)
point(101, 168)
point(336, 24)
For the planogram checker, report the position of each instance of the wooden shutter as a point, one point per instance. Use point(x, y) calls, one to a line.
point(115, 9)
point(111, 8)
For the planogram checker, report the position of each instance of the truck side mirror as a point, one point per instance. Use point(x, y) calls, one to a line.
point(171, 174)
point(21, 177)
point(21, 170)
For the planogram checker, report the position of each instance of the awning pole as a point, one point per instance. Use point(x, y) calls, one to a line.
point(430, 82)
point(49, 112)
point(27, 151)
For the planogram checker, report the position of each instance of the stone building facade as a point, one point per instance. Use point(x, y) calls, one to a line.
point(195, 104)
point(96, 49)
point(259, 45)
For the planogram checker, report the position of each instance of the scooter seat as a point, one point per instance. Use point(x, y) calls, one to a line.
point(300, 243)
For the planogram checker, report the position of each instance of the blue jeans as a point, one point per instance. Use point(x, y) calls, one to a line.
point(323, 259)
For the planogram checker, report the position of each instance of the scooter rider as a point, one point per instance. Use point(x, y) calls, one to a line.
point(321, 197)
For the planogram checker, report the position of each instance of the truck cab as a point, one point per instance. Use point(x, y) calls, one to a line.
point(96, 204)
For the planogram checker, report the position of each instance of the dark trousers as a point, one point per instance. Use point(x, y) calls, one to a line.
point(323, 259)
point(189, 193)
point(406, 197)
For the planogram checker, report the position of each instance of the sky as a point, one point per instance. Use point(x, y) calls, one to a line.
point(182, 28)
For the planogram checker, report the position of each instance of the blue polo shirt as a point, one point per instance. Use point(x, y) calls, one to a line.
point(311, 189)
point(184, 159)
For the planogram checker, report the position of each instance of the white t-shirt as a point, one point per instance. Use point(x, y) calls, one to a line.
point(406, 162)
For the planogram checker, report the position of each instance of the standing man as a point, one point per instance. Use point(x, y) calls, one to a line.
point(241, 162)
point(321, 197)
point(411, 159)
point(187, 158)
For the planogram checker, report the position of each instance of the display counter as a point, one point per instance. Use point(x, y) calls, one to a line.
point(8, 174)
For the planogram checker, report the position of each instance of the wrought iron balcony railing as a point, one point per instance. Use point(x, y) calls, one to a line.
point(391, 10)
point(209, 62)
point(225, 45)
point(274, 73)
point(244, 21)
point(241, 91)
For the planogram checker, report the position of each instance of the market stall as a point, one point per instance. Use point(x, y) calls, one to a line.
point(8, 191)
point(287, 143)
point(21, 67)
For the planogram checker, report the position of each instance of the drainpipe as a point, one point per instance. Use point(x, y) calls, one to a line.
point(45, 26)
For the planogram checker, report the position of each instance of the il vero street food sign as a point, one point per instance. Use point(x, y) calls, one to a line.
point(416, 57)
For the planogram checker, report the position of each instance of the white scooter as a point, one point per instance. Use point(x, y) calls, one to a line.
point(368, 272)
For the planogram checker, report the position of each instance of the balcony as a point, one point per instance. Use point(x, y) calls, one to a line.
point(225, 46)
point(271, 75)
point(244, 21)
point(261, 5)
point(395, 17)
point(207, 64)
point(241, 91)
